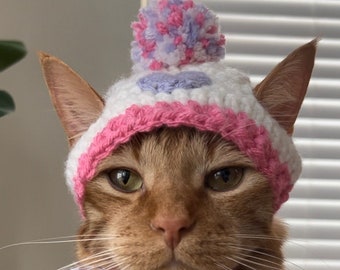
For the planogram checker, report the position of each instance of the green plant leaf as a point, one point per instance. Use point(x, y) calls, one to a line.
point(6, 103)
point(11, 52)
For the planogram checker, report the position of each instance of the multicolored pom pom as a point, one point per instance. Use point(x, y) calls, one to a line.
point(176, 33)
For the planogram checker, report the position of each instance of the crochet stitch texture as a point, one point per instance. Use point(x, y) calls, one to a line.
point(176, 33)
point(216, 98)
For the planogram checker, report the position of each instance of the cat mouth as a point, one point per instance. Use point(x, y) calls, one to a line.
point(177, 263)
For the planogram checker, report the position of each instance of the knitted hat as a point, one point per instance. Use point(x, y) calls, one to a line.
point(180, 79)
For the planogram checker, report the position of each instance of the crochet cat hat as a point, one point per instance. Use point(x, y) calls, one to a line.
point(180, 79)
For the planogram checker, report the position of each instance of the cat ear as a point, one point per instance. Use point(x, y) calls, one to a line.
point(77, 104)
point(283, 90)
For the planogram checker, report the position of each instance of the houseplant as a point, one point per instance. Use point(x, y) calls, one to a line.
point(10, 53)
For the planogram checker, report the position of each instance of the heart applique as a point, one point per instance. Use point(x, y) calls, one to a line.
point(161, 82)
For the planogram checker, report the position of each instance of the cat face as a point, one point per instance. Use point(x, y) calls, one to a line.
point(179, 199)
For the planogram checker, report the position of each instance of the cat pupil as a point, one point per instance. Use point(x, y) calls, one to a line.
point(123, 176)
point(223, 175)
point(224, 179)
point(125, 180)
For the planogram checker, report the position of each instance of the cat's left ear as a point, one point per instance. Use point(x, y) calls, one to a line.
point(283, 90)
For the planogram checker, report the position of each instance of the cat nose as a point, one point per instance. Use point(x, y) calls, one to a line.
point(172, 228)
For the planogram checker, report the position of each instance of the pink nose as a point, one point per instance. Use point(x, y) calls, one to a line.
point(172, 229)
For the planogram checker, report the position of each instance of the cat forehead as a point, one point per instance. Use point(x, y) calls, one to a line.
point(179, 141)
point(184, 149)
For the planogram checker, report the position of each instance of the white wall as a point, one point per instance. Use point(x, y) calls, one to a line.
point(91, 36)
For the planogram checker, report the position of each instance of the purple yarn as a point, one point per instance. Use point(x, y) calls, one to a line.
point(161, 82)
point(192, 34)
point(170, 47)
point(176, 33)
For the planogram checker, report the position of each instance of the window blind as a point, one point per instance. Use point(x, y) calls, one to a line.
point(260, 33)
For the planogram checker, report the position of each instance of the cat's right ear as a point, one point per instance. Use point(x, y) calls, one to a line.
point(77, 104)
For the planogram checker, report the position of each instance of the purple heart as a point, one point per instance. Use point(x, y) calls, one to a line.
point(160, 82)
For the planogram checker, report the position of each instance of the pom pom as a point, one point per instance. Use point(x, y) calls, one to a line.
point(175, 33)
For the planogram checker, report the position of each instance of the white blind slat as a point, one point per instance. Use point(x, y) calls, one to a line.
point(318, 148)
point(311, 209)
point(300, 8)
point(302, 248)
point(318, 87)
point(321, 168)
point(313, 264)
point(311, 228)
point(317, 128)
point(324, 88)
point(278, 45)
point(262, 64)
point(320, 107)
point(317, 188)
point(280, 25)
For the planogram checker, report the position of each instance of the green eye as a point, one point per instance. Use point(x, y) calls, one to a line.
point(125, 180)
point(224, 179)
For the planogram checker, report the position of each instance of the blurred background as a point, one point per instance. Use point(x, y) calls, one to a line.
point(94, 37)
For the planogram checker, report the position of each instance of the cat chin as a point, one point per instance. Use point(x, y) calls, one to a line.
point(173, 264)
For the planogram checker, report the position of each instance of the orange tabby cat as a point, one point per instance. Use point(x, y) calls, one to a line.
point(184, 164)
point(179, 198)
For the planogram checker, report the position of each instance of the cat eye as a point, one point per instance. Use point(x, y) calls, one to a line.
point(224, 179)
point(125, 180)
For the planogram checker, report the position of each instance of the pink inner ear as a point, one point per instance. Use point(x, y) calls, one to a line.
point(252, 140)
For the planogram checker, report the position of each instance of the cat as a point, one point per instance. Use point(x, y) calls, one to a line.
point(206, 206)
point(181, 167)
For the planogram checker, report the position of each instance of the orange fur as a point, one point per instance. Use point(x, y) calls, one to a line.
point(175, 221)
point(226, 228)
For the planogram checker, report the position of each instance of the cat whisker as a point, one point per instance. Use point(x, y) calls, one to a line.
point(263, 260)
point(102, 260)
point(254, 262)
point(259, 236)
point(112, 266)
point(253, 250)
point(80, 262)
point(293, 264)
point(99, 264)
point(240, 263)
point(219, 265)
point(52, 241)
point(223, 266)
point(121, 265)
point(267, 255)
point(96, 261)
